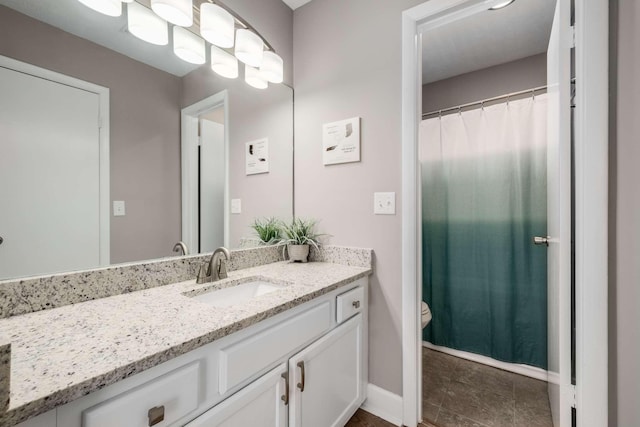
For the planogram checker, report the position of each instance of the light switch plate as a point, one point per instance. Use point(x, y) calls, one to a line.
point(384, 203)
point(118, 208)
point(236, 206)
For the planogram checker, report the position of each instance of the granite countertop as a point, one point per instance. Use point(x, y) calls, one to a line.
point(62, 354)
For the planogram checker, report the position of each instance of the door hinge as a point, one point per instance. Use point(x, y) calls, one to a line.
point(572, 395)
point(99, 122)
point(572, 35)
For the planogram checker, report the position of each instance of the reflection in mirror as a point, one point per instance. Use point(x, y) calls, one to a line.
point(96, 144)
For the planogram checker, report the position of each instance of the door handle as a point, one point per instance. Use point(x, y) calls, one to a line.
point(541, 240)
point(1, 240)
point(301, 383)
point(285, 397)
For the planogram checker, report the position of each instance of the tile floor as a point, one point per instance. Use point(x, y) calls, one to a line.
point(461, 393)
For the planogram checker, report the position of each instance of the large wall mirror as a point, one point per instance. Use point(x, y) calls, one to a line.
point(121, 149)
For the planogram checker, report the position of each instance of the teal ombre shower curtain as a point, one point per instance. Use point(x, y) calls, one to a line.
point(483, 199)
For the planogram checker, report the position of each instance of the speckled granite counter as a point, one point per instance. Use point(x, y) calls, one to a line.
point(62, 354)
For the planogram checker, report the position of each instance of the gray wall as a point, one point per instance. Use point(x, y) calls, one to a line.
point(253, 114)
point(525, 73)
point(347, 62)
point(624, 245)
point(145, 129)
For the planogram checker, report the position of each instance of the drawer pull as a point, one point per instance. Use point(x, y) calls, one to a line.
point(301, 383)
point(156, 415)
point(285, 396)
point(356, 304)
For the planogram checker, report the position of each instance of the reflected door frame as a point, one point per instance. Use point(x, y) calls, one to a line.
point(591, 199)
point(103, 141)
point(189, 166)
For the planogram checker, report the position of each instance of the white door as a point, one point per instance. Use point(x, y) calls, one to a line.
point(212, 183)
point(260, 404)
point(49, 176)
point(559, 216)
point(327, 378)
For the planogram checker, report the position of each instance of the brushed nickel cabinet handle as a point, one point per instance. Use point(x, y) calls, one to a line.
point(285, 396)
point(301, 383)
point(156, 415)
point(356, 304)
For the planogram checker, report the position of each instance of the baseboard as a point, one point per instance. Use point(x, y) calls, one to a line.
point(526, 370)
point(383, 404)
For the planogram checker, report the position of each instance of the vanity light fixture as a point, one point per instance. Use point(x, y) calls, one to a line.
point(254, 77)
point(146, 25)
point(223, 63)
point(501, 5)
point(217, 26)
point(178, 12)
point(272, 67)
point(188, 46)
point(249, 48)
point(106, 7)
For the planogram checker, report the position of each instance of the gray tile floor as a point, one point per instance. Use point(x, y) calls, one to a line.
point(461, 393)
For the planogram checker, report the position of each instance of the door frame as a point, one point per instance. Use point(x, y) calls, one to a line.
point(189, 117)
point(591, 198)
point(103, 141)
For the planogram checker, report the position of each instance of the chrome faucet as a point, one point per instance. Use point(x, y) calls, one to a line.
point(216, 268)
point(181, 247)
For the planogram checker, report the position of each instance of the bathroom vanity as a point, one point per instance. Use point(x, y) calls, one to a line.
point(272, 345)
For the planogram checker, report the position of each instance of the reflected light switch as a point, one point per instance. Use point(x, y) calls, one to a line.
point(236, 206)
point(118, 208)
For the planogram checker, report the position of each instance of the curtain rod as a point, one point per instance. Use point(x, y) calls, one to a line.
point(495, 98)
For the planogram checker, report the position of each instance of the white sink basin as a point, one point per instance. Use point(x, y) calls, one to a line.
point(237, 294)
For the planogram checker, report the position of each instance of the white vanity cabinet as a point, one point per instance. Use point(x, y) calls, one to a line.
point(261, 403)
point(304, 367)
point(329, 378)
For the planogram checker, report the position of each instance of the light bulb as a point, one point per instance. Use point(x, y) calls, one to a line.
point(178, 12)
point(146, 25)
point(272, 67)
point(224, 63)
point(249, 47)
point(217, 26)
point(107, 7)
point(187, 46)
point(254, 78)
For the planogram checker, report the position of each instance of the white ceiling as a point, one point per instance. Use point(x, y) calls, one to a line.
point(294, 4)
point(488, 38)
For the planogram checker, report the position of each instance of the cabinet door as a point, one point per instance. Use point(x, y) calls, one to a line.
point(260, 404)
point(327, 378)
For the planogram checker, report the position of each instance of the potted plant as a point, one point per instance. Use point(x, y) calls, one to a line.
point(298, 235)
point(267, 229)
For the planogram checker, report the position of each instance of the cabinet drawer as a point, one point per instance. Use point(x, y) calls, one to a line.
point(349, 303)
point(174, 394)
point(244, 359)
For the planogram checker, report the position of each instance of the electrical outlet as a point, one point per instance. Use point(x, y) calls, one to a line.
point(384, 203)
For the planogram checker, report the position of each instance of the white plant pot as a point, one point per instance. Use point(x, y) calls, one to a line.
point(298, 253)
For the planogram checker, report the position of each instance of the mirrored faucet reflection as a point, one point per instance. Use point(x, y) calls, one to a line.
point(181, 247)
point(216, 268)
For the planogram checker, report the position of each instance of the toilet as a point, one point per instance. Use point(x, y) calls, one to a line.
point(426, 314)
